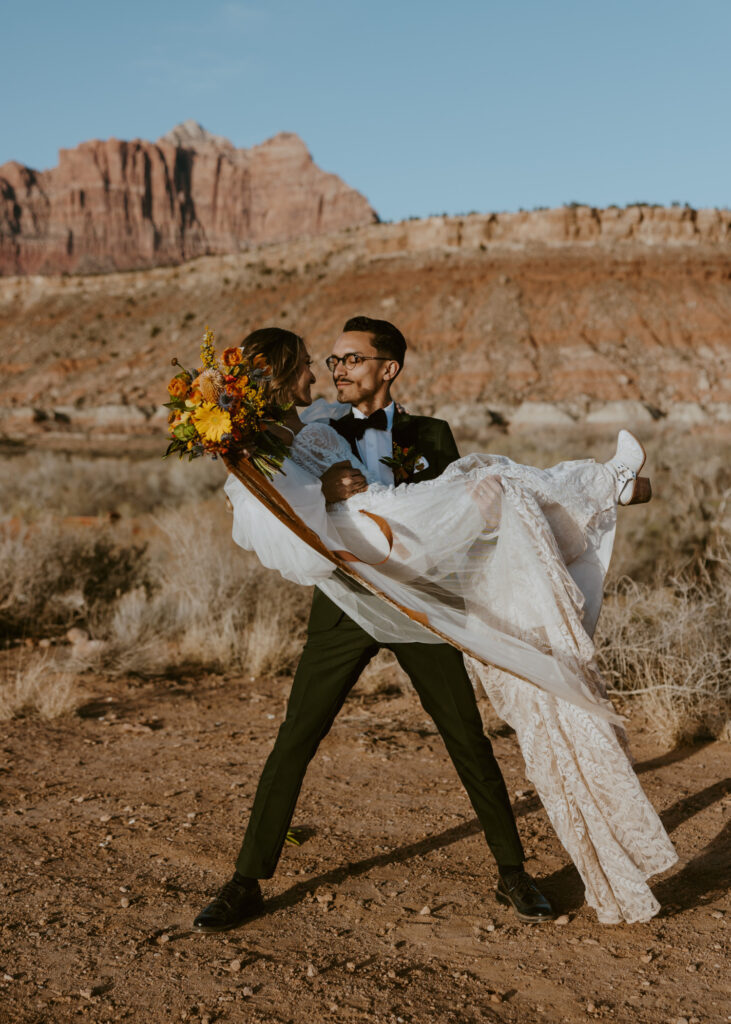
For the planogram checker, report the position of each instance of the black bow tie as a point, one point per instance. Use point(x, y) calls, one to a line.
point(353, 429)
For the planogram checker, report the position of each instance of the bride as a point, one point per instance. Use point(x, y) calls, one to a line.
point(506, 562)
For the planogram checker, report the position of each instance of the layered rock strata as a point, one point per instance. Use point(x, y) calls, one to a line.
point(117, 205)
point(492, 325)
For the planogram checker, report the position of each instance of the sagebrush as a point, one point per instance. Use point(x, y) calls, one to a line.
point(156, 582)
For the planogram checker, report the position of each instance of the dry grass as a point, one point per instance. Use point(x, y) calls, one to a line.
point(164, 590)
point(204, 605)
point(383, 675)
point(37, 482)
point(183, 599)
point(40, 686)
point(669, 647)
point(52, 577)
point(157, 592)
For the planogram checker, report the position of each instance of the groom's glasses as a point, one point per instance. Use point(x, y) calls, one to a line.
point(350, 361)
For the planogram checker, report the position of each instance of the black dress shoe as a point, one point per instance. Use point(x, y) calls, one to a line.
point(520, 892)
point(231, 906)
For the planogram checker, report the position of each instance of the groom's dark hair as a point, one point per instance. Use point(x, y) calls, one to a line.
point(386, 339)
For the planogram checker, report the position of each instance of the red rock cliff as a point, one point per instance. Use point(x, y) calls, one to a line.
point(130, 205)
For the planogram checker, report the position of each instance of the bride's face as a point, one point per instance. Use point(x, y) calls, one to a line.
point(301, 389)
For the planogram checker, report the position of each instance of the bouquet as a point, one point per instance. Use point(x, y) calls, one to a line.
point(222, 410)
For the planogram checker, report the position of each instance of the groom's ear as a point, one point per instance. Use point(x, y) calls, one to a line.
point(391, 370)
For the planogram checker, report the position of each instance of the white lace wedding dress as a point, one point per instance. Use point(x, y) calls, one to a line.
point(507, 563)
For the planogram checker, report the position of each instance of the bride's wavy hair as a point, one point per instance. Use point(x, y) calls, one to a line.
point(282, 353)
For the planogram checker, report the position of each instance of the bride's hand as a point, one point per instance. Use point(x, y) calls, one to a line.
point(341, 482)
point(487, 494)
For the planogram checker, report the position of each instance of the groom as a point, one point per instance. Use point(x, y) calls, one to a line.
point(365, 361)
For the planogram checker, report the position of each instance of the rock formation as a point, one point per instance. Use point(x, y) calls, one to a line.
point(540, 320)
point(130, 205)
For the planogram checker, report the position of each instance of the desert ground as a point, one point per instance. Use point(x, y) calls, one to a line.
point(145, 669)
point(120, 821)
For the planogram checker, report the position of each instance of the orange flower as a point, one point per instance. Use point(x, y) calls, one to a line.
point(178, 388)
point(261, 364)
point(231, 356)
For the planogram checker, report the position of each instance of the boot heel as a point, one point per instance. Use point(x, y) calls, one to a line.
point(642, 491)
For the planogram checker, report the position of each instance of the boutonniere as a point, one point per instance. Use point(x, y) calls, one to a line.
point(404, 462)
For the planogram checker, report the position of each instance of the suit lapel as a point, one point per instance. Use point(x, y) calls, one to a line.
point(403, 428)
point(417, 431)
point(404, 432)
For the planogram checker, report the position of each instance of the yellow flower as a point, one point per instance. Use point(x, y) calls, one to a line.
point(212, 422)
point(208, 351)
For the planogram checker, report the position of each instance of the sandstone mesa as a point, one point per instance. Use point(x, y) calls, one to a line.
point(118, 205)
point(543, 318)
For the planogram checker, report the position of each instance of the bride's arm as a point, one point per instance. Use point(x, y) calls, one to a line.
point(324, 453)
point(257, 529)
point(487, 494)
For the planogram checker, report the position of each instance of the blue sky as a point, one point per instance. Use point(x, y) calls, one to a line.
point(426, 107)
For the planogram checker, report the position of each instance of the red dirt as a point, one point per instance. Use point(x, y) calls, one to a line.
point(120, 821)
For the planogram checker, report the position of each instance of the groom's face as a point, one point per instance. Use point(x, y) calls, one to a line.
point(356, 384)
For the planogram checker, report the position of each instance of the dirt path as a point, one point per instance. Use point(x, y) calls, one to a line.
point(116, 827)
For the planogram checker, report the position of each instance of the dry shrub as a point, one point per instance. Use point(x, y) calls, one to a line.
point(188, 598)
point(36, 482)
point(205, 604)
point(41, 686)
point(668, 645)
point(53, 577)
point(191, 599)
point(383, 675)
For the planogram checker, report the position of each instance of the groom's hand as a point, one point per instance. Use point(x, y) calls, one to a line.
point(341, 481)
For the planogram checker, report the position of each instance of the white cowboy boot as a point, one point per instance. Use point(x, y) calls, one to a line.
point(626, 464)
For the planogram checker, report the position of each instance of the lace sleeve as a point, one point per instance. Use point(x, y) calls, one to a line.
point(318, 446)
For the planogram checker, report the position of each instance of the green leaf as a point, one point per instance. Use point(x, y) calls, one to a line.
point(175, 403)
point(174, 446)
point(185, 432)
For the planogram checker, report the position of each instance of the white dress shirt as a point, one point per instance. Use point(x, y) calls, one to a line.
point(375, 444)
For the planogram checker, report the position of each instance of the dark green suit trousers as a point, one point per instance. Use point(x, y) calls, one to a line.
point(336, 652)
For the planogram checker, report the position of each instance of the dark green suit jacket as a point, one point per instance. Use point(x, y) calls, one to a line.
point(433, 439)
